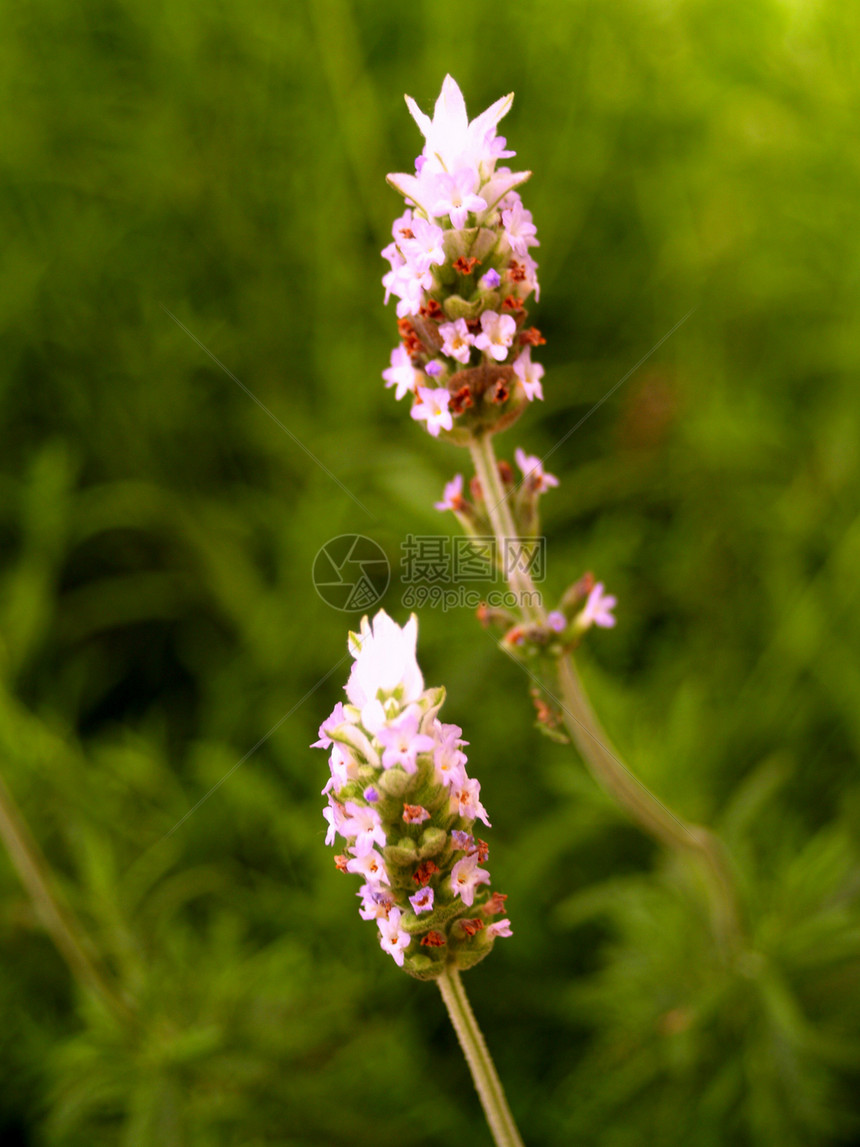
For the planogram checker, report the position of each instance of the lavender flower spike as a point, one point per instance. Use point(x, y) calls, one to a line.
point(461, 271)
point(406, 810)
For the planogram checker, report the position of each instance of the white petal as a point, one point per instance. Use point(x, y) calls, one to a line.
point(498, 187)
point(423, 121)
point(410, 187)
point(449, 115)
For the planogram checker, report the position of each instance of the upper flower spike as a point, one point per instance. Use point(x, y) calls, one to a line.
point(454, 147)
point(461, 271)
point(453, 142)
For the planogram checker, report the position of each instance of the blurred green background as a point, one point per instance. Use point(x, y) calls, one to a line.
point(227, 162)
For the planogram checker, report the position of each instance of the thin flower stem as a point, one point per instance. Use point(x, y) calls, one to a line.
point(501, 519)
point(61, 925)
point(487, 1083)
point(594, 746)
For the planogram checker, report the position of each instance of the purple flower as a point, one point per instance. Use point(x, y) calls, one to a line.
point(422, 901)
point(343, 767)
point(401, 373)
point(500, 928)
point(490, 281)
point(335, 718)
point(432, 408)
point(453, 496)
point(371, 866)
point(457, 340)
point(464, 800)
point(557, 621)
point(391, 938)
point(408, 283)
point(456, 198)
point(466, 876)
point(423, 247)
point(374, 902)
point(598, 609)
point(497, 334)
point(533, 471)
point(520, 231)
point(529, 373)
point(365, 825)
point(334, 814)
point(402, 742)
point(449, 758)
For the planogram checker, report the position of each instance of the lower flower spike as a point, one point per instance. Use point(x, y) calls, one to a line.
point(400, 797)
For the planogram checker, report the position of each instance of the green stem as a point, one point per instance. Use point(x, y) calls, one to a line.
point(487, 1083)
point(593, 744)
point(64, 929)
point(502, 521)
point(610, 772)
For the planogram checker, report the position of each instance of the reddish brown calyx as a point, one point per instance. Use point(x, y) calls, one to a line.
point(544, 713)
point(460, 401)
point(500, 392)
point(578, 592)
point(340, 862)
point(424, 872)
point(495, 904)
point(516, 635)
point(410, 339)
point(532, 337)
point(433, 940)
point(472, 927)
point(465, 266)
point(550, 719)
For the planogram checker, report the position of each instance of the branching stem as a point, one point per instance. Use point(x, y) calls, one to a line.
point(593, 744)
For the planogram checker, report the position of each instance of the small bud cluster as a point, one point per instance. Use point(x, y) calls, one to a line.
point(524, 496)
point(399, 795)
point(461, 272)
point(583, 605)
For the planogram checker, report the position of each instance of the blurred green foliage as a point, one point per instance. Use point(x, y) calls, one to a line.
point(157, 530)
